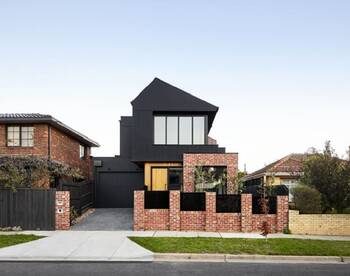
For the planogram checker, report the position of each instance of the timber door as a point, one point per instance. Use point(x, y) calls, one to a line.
point(159, 179)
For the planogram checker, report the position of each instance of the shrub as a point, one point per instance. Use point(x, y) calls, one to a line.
point(307, 200)
point(32, 171)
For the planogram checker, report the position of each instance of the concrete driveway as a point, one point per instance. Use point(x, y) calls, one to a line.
point(106, 220)
point(78, 246)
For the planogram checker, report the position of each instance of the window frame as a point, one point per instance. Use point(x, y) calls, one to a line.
point(178, 129)
point(20, 135)
point(84, 151)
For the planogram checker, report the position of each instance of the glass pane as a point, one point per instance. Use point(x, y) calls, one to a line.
point(175, 178)
point(185, 130)
point(30, 143)
point(172, 130)
point(159, 130)
point(198, 130)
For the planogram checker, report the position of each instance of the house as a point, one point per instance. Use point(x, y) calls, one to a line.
point(285, 171)
point(44, 136)
point(161, 145)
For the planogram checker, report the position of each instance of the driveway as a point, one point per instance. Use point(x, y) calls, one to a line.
point(106, 220)
point(78, 246)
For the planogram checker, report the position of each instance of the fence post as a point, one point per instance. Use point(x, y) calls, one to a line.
point(210, 212)
point(282, 213)
point(139, 210)
point(174, 210)
point(246, 212)
point(62, 210)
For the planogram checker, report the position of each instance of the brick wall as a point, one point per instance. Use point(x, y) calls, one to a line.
point(191, 160)
point(192, 221)
point(156, 219)
point(66, 149)
point(176, 220)
point(63, 148)
point(62, 210)
point(40, 147)
point(319, 224)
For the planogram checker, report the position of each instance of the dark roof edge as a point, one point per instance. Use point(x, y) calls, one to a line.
point(55, 123)
point(158, 79)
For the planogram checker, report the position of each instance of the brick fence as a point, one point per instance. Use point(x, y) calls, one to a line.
point(176, 220)
point(319, 224)
point(62, 210)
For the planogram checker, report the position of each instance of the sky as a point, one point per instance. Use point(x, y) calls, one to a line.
point(278, 70)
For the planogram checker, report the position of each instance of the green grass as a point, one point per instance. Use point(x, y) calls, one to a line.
point(8, 240)
point(245, 246)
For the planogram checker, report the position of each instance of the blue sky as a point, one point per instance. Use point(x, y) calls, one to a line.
point(278, 70)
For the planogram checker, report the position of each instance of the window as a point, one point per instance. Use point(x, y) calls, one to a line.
point(159, 130)
point(172, 130)
point(291, 184)
point(211, 179)
point(198, 130)
point(81, 151)
point(179, 130)
point(20, 136)
point(175, 178)
point(185, 130)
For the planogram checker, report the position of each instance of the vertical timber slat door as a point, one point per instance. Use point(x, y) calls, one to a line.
point(159, 179)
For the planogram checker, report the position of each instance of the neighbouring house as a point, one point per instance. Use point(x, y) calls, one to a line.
point(285, 171)
point(44, 136)
point(161, 145)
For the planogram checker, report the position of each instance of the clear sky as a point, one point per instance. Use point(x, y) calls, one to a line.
point(278, 70)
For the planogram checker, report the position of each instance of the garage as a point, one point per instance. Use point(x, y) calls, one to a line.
point(116, 189)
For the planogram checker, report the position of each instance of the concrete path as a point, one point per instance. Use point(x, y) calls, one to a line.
point(108, 245)
point(106, 220)
point(78, 246)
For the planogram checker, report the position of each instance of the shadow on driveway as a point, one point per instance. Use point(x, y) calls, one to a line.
point(106, 220)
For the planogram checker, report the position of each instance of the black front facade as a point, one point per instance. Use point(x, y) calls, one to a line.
point(166, 123)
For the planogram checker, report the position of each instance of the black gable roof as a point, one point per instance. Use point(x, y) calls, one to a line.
point(161, 96)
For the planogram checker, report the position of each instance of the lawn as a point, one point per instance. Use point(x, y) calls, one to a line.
point(8, 240)
point(245, 246)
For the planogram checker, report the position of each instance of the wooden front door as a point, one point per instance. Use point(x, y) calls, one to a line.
point(159, 179)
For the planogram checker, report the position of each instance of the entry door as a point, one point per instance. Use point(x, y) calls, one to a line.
point(159, 179)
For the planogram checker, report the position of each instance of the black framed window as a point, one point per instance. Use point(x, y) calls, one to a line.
point(20, 136)
point(180, 130)
point(175, 178)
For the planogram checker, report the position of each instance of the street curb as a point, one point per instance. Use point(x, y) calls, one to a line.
point(188, 257)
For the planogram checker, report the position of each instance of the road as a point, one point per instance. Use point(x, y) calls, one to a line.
point(169, 269)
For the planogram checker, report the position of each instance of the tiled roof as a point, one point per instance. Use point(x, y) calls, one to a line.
point(292, 163)
point(23, 116)
point(48, 119)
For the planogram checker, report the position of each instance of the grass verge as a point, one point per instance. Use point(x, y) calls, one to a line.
point(296, 247)
point(8, 240)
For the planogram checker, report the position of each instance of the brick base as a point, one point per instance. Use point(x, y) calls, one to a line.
point(62, 210)
point(176, 220)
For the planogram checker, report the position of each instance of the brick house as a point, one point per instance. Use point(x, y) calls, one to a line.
point(44, 136)
point(285, 171)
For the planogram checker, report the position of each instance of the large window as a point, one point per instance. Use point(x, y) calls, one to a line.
point(20, 136)
point(179, 130)
point(159, 130)
point(211, 179)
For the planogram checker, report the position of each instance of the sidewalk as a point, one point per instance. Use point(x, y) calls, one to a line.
point(112, 246)
point(191, 234)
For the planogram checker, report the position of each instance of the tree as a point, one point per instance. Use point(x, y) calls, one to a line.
point(330, 175)
point(307, 199)
point(32, 171)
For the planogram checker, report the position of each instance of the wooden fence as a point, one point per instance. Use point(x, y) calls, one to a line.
point(81, 194)
point(31, 209)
